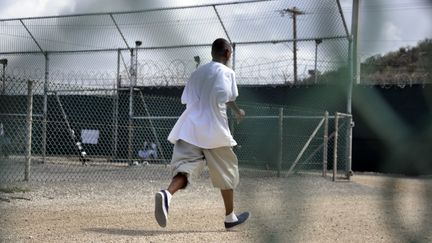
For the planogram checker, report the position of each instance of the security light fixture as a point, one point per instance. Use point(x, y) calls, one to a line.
point(4, 61)
point(197, 59)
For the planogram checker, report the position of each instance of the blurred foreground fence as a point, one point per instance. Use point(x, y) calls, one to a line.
point(89, 134)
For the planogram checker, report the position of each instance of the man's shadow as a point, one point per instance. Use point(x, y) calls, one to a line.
point(135, 232)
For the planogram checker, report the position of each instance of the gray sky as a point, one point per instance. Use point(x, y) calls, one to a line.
point(386, 25)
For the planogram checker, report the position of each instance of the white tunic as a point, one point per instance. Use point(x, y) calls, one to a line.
point(204, 123)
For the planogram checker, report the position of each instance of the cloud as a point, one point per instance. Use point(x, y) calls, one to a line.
point(33, 8)
point(391, 31)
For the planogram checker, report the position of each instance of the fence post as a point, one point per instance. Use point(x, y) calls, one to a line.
point(45, 109)
point(325, 145)
point(335, 150)
point(350, 135)
point(280, 157)
point(116, 110)
point(29, 129)
point(131, 113)
point(234, 56)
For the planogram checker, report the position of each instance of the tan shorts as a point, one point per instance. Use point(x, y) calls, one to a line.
point(222, 163)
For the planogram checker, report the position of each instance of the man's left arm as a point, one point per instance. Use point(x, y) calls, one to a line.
point(239, 113)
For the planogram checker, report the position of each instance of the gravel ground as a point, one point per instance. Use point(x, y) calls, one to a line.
point(299, 208)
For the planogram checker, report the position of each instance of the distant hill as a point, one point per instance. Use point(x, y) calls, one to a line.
point(408, 65)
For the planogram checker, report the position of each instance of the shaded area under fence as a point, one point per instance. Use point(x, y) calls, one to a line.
point(71, 169)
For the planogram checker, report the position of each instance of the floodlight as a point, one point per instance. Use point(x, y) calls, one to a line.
point(4, 61)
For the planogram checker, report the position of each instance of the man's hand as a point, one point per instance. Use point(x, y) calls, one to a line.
point(240, 115)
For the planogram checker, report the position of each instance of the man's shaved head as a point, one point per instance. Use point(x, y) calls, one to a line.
point(221, 49)
point(220, 46)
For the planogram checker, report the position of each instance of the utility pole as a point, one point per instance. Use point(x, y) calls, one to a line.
point(293, 12)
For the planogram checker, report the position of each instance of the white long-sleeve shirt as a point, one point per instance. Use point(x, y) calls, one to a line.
point(204, 123)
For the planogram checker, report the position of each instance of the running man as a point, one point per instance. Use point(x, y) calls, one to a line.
point(201, 135)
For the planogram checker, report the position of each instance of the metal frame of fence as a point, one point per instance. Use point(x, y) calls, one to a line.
point(49, 83)
point(343, 123)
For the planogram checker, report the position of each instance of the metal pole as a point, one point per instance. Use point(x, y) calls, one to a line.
point(295, 44)
point(316, 57)
point(133, 81)
point(335, 150)
point(222, 24)
point(115, 109)
point(349, 128)
point(280, 157)
point(4, 78)
point(325, 147)
point(354, 77)
point(351, 77)
point(355, 38)
point(29, 129)
point(141, 11)
point(45, 109)
point(350, 135)
point(130, 124)
point(317, 42)
point(234, 56)
point(120, 32)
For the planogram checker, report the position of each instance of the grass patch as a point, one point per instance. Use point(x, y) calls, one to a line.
point(14, 189)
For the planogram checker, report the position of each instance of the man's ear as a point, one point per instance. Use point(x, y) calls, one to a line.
point(227, 54)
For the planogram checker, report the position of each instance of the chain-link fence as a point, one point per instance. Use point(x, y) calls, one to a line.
point(89, 134)
point(286, 140)
point(91, 117)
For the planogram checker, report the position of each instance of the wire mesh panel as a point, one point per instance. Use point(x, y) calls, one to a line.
point(14, 125)
point(97, 122)
point(72, 33)
point(154, 117)
point(251, 22)
point(15, 37)
point(167, 27)
point(158, 67)
point(82, 71)
point(341, 146)
point(280, 139)
point(22, 66)
point(92, 118)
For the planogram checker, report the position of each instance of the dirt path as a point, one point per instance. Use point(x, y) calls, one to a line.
point(371, 208)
